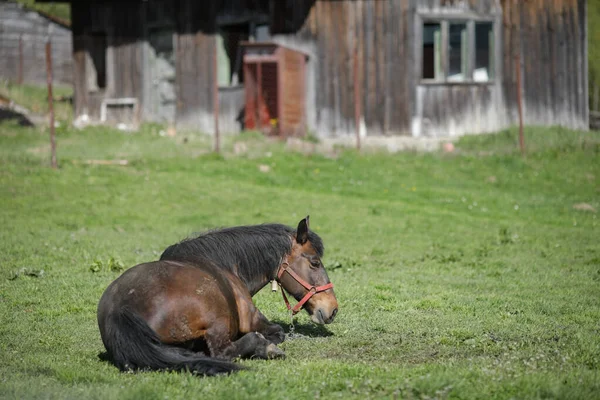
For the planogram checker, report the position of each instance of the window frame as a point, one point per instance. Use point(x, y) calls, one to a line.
point(445, 20)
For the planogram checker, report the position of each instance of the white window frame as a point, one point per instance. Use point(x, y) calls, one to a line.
point(445, 19)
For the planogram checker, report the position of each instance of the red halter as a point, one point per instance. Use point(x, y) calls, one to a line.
point(312, 290)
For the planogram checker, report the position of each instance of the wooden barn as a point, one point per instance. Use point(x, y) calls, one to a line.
point(23, 36)
point(424, 68)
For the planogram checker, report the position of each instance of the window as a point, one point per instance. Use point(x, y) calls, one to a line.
point(484, 52)
point(456, 50)
point(432, 39)
point(262, 33)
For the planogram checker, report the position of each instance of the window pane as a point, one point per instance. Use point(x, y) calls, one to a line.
point(262, 33)
point(484, 52)
point(457, 52)
point(432, 61)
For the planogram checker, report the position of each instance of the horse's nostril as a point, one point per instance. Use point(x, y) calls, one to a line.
point(334, 313)
point(321, 315)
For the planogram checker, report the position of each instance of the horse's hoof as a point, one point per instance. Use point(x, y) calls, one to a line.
point(274, 352)
point(280, 338)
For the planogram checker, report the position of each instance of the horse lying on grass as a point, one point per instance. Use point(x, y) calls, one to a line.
point(192, 310)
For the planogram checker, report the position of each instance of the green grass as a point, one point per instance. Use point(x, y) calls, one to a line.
point(35, 98)
point(61, 10)
point(467, 275)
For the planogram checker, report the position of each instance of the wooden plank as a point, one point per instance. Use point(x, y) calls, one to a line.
point(368, 61)
point(563, 62)
point(330, 47)
point(351, 43)
point(321, 77)
point(380, 61)
point(79, 77)
point(79, 69)
point(568, 66)
point(338, 27)
point(577, 78)
point(347, 44)
point(195, 66)
point(544, 38)
point(583, 40)
point(388, 46)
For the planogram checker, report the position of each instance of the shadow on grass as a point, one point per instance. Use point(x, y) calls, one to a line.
point(103, 356)
point(310, 330)
point(21, 119)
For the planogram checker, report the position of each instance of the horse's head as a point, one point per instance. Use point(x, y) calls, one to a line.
point(304, 277)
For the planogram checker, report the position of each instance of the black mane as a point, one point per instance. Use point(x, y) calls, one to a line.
point(248, 251)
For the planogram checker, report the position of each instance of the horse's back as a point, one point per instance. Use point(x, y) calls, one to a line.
point(178, 301)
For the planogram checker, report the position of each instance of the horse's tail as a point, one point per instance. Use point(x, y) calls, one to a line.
point(133, 345)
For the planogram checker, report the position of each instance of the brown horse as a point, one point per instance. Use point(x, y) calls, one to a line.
point(192, 310)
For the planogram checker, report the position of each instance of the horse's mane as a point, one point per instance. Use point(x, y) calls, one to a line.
point(248, 251)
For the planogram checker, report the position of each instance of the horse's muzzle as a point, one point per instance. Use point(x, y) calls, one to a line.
point(321, 316)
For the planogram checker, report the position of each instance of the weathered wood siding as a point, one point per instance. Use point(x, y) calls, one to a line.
point(19, 24)
point(124, 57)
point(455, 108)
point(196, 65)
point(292, 118)
point(395, 101)
point(382, 33)
point(128, 72)
point(551, 38)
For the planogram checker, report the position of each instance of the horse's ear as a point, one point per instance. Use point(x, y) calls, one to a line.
point(302, 231)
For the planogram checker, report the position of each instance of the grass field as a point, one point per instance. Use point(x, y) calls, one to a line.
point(467, 275)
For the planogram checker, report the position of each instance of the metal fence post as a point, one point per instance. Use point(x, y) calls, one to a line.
point(50, 103)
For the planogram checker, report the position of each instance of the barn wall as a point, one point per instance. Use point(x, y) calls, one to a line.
point(385, 33)
point(195, 66)
point(551, 37)
point(393, 98)
point(129, 67)
point(382, 33)
point(18, 22)
point(452, 109)
point(124, 54)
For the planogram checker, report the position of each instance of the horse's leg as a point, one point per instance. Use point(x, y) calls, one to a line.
point(250, 345)
point(274, 333)
point(251, 319)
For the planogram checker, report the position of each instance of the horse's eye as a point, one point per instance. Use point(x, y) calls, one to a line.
point(315, 263)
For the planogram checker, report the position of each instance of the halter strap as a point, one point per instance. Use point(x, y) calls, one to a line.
point(312, 290)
